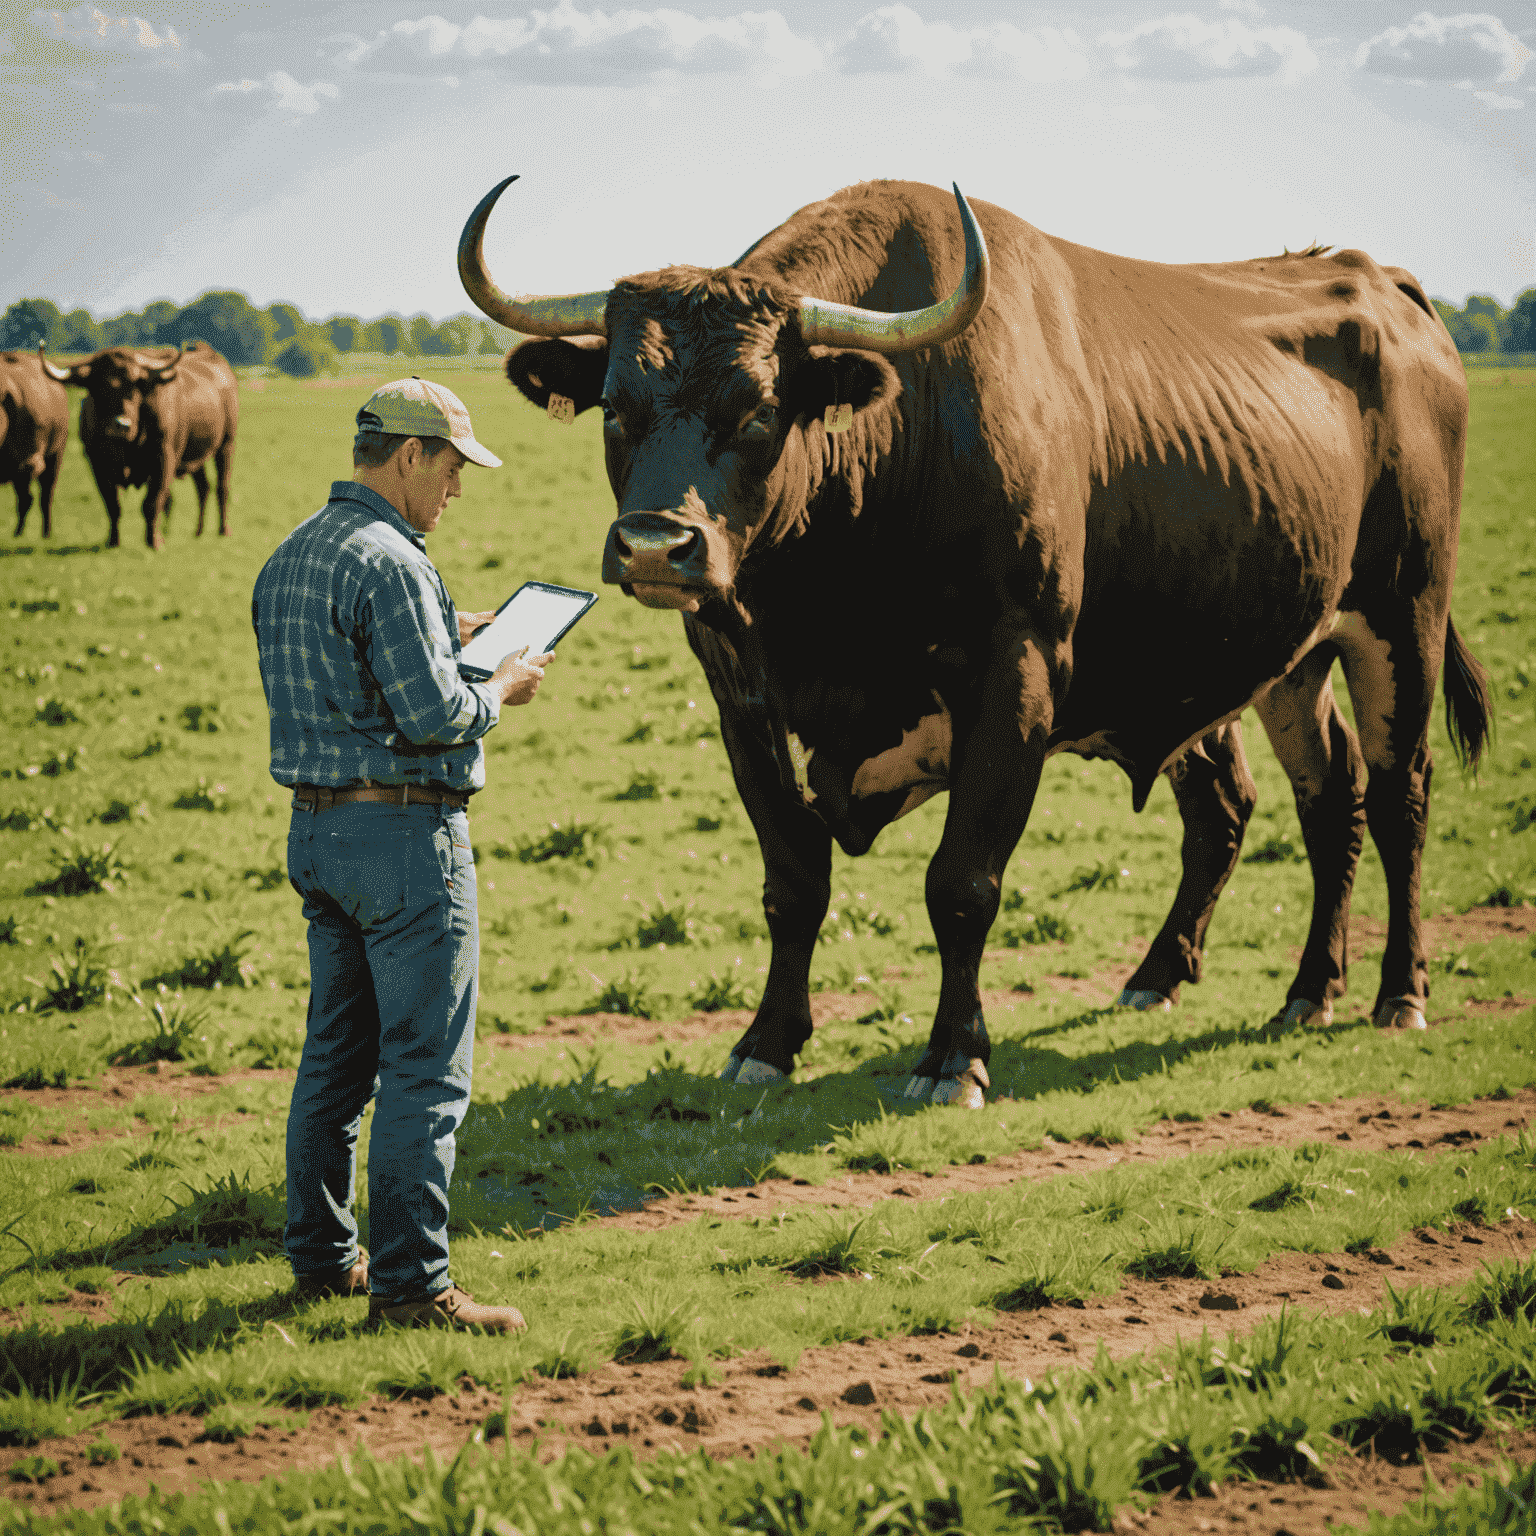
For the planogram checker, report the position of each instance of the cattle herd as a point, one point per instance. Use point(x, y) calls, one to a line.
point(146, 419)
point(939, 496)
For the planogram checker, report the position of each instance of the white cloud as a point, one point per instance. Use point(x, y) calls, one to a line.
point(1496, 102)
point(571, 45)
point(88, 27)
point(895, 40)
point(67, 204)
point(1464, 47)
point(1184, 47)
point(280, 91)
point(1247, 7)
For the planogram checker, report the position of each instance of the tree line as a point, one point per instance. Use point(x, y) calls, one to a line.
point(280, 334)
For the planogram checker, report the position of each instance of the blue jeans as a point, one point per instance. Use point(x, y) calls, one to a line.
point(394, 958)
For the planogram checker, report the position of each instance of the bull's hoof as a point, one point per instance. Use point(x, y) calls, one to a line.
point(1400, 1013)
point(1143, 1000)
point(967, 1088)
point(749, 1073)
point(1302, 1010)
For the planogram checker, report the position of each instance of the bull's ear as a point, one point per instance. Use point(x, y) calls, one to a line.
point(833, 377)
point(545, 366)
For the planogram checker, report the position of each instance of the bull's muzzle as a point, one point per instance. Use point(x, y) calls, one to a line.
point(646, 550)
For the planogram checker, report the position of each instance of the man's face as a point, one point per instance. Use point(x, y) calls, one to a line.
point(430, 483)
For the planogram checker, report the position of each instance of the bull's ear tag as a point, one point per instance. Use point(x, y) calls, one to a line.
point(561, 408)
point(837, 418)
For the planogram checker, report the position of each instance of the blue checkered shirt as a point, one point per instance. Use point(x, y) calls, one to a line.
point(359, 646)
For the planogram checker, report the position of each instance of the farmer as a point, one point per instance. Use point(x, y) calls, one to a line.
point(380, 740)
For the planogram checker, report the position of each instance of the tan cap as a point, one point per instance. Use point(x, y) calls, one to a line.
point(419, 408)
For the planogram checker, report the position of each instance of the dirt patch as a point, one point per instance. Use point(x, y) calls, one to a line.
point(595, 1028)
point(1449, 931)
point(120, 1086)
point(753, 1403)
point(77, 1307)
point(1371, 1124)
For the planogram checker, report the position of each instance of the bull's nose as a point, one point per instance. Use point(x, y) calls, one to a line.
point(650, 548)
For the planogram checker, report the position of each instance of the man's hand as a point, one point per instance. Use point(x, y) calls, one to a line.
point(470, 622)
point(518, 677)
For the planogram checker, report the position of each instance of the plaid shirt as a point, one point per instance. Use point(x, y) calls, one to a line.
point(359, 644)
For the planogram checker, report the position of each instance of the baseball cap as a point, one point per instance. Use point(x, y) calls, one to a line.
point(417, 407)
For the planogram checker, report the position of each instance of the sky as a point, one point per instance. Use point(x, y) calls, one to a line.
point(327, 152)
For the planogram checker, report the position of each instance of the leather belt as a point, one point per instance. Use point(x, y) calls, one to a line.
point(318, 797)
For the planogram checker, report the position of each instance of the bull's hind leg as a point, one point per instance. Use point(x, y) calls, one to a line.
point(992, 786)
point(1322, 759)
point(200, 484)
point(1390, 665)
point(1215, 796)
point(22, 485)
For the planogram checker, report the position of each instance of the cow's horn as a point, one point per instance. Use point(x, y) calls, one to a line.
point(823, 323)
point(551, 314)
point(63, 375)
point(164, 373)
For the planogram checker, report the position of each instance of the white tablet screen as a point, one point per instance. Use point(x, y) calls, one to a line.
point(534, 617)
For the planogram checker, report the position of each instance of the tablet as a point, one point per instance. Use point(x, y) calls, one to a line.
point(532, 619)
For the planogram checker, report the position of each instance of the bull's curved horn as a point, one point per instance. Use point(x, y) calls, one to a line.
point(163, 373)
point(552, 314)
point(63, 375)
point(823, 323)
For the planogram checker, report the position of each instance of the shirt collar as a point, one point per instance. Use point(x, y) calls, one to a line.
point(351, 490)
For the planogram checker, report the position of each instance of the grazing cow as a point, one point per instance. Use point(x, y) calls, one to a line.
point(34, 428)
point(924, 538)
point(147, 420)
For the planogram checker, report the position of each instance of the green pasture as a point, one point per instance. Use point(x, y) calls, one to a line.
point(145, 919)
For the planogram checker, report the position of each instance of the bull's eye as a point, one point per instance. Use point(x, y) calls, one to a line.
point(761, 421)
point(610, 416)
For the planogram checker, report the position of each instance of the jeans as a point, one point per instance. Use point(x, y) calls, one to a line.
point(394, 955)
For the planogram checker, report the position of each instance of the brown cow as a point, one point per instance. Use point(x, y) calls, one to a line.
point(34, 428)
point(147, 419)
point(1102, 511)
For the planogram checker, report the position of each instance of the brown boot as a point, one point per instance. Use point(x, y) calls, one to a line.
point(451, 1308)
point(334, 1282)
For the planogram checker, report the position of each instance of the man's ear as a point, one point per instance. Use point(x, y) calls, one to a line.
point(833, 377)
point(545, 366)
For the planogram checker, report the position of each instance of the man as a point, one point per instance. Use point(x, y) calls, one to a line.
point(380, 740)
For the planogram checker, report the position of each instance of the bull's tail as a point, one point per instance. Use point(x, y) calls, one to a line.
point(1468, 707)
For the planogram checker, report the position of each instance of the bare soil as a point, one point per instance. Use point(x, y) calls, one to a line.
point(752, 1403)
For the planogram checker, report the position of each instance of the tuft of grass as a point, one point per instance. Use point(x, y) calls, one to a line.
point(176, 1025)
point(1276, 850)
point(1286, 1195)
point(1178, 1260)
point(33, 1469)
point(628, 995)
point(54, 712)
point(36, 1076)
point(203, 796)
point(719, 992)
point(268, 879)
point(661, 925)
point(1504, 1290)
point(643, 786)
point(75, 983)
point(83, 873)
point(123, 810)
point(577, 840)
point(200, 717)
point(277, 1046)
point(1035, 928)
point(839, 1248)
point(226, 966)
point(153, 747)
point(1101, 876)
point(102, 1453)
point(653, 1331)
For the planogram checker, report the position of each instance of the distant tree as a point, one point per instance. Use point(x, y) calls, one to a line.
point(1522, 323)
point(346, 332)
point(427, 340)
point(29, 321)
point(288, 321)
point(305, 356)
point(81, 333)
point(388, 335)
point(1482, 333)
point(489, 344)
point(159, 320)
point(229, 323)
point(127, 330)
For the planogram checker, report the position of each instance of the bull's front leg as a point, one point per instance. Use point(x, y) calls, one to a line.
point(993, 778)
point(797, 887)
point(105, 474)
point(157, 502)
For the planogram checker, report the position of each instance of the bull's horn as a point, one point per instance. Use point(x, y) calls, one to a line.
point(163, 373)
point(823, 323)
point(551, 314)
point(63, 375)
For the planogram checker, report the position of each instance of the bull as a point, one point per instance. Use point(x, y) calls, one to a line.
point(34, 428)
point(147, 420)
point(941, 497)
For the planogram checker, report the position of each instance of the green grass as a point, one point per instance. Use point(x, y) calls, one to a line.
point(1279, 1404)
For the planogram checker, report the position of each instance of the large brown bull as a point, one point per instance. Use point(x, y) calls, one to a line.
point(34, 429)
point(1103, 512)
point(148, 418)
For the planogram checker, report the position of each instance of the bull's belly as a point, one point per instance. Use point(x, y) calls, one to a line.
point(919, 764)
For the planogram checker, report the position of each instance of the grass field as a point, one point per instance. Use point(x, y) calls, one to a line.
point(154, 982)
